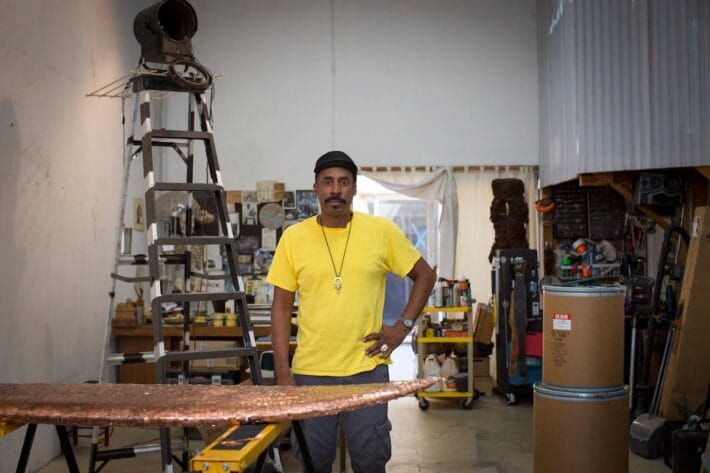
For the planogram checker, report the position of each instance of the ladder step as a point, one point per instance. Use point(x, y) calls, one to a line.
point(198, 296)
point(127, 358)
point(186, 355)
point(186, 186)
point(123, 278)
point(173, 258)
point(178, 355)
point(213, 277)
point(195, 240)
point(162, 144)
point(181, 134)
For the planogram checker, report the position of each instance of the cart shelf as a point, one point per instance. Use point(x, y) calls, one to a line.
point(445, 339)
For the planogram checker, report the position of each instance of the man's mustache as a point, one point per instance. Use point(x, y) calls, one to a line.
point(336, 199)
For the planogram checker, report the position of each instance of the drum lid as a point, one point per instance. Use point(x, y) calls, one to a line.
point(585, 291)
point(618, 392)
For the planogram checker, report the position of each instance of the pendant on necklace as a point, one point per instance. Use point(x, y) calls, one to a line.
point(338, 283)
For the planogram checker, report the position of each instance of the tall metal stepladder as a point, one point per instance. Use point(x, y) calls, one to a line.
point(166, 250)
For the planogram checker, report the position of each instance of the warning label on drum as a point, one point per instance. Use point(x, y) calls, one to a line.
point(561, 321)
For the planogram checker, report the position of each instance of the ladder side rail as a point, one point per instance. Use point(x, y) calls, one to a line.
point(165, 450)
point(248, 337)
point(187, 268)
point(231, 249)
point(154, 266)
point(128, 157)
point(213, 169)
point(204, 113)
point(151, 232)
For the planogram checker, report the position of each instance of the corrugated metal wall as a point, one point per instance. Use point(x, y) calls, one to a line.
point(624, 84)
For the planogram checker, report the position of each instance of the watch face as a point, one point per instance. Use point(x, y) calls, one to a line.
point(407, 323)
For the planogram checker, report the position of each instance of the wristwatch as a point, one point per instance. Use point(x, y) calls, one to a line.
point(409, 323)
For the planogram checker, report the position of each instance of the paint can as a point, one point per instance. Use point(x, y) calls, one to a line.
point(583, 431)
point(583, 337)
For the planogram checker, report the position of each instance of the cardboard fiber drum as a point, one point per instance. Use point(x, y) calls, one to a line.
point(580, 432)
point(583, 337)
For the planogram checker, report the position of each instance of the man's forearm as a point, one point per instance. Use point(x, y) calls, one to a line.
point(280, 338)
point(281, 333)
point(423, 278)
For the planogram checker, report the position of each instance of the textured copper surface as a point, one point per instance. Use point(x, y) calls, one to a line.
point(160, 405)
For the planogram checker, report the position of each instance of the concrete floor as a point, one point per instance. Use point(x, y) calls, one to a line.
point(493, 437)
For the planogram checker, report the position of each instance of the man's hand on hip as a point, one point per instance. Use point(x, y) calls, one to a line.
point(386, 340)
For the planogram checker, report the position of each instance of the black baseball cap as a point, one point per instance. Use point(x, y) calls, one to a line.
point(335, 159)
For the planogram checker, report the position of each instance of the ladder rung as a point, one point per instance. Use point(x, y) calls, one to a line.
point(181, 134)
point(186, 355)
point(195, 240)
point(125, 358)
point(120, 277)
point(186, 186)
point(179, 355)
point(211, 277)
point(164, 144)
point(130, 452)
point(174, 258)
point(198, 296)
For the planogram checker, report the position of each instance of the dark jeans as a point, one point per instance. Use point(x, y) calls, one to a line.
point(367, 431)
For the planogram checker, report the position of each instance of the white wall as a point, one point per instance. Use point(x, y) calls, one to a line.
point(59, 184)
point(401, 82)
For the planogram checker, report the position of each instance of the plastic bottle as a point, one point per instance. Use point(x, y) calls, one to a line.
point(432, 370)
point(439, 293)
point(457, 295)
point(449, 369)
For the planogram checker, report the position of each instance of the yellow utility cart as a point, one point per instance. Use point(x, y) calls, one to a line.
point(429, 336)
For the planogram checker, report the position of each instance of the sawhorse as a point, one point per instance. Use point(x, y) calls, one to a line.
point(72, 466)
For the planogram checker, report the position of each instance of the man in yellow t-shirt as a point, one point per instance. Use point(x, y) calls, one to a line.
point(337, 262)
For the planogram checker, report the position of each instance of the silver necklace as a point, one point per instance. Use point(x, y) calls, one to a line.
point(337, 280)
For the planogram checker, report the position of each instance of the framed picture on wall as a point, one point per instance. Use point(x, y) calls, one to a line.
point(138, 214)
point(306, 203)
point(234, 221)
point(289, 200)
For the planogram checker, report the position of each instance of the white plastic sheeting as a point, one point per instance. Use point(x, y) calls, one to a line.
point(439, 186)
point(624, 84)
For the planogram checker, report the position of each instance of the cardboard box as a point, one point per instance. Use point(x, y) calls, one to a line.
point(688, 373)
point(231, 363)
point(481, 367)
point(483, 324)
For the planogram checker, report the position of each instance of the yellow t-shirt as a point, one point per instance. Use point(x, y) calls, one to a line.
point(331, 325)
